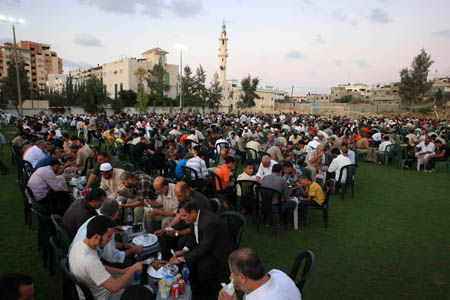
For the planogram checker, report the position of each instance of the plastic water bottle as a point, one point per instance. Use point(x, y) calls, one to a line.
point(130, 219)
point(137, 278)
point(75, 191)
point(185, 273)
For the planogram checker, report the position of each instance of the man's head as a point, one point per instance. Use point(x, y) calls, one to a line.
point(306, 179)
point(100, 231)
point(248, 168)
point(96, 197)
point(40, 144)
point(224, 153)
point(189, 210)
point(55, 153)
point(270, 137)
point(438, 143)
point(279, 145)
point(335, 152)
point(128, 179)
point(55, 165)
point(15, 286)
point(182, 191)
point(276, 169)
point(229, 161)
point(265, 161)
point(344, 148)
point(74, 148)
point(161, 185)
point(102, 157)
point(427, 140)
point(246, 268)
point(110, 208)
point(288, 167)
point(106, 170)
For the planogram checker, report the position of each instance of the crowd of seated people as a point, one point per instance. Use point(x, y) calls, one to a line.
point(292, 154)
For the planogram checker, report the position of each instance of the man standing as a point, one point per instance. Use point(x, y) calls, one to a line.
point(248, 275)
point(87, 266)
point(205, 251)
point(164, 207)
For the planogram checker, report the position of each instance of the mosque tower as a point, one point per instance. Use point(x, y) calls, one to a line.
point(223, 54)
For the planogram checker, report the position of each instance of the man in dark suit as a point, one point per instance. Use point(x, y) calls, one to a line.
point(206, 250)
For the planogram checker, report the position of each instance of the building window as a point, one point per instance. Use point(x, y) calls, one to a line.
point(167, 78)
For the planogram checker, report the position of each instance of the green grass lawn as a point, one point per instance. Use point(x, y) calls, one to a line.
point(392, 241)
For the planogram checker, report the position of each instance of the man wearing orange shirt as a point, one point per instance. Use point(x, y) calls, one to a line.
point(223, 172)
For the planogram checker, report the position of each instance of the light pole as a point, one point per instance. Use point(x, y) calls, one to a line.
point(13, 22)
point(181, 47)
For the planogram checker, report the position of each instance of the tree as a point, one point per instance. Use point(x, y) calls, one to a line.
point(414, 83)
point(128, 97)
point(92, 95)
point(188, 88)
point(440, 101)
point(199, 87)
point(56, 100)
point(248, 95)
point(156, 82)
point(142, 99)
point(214, 94)
point(70, 91)
point(9, 85)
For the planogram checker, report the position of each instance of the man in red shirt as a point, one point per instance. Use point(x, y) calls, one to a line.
point(223, 172)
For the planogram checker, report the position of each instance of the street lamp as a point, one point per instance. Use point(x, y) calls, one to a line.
point(13, 21)
point(181, 47)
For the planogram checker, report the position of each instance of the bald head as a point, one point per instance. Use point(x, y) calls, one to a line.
point(266, 161)
point(160, 186)
point(182, 191)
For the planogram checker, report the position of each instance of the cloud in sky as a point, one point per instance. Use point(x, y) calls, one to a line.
point(152, 8)
point(15, 3)
point(294, 54)
point(362, 63)
point(337, 62)
point(88, 40)
point(379, 15)
point(443, 33)
point(318, 39)
point(342, 17)
point(74, 64)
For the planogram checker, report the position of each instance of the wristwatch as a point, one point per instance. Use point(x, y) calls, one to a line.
point(176, 233)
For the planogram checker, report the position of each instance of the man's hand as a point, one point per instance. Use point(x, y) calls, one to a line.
point(160, 232)
point(224, 296)
point(174, 260)
point(155, 212)
point(170, 233)
point(137, 249)
point(180, 253)
point(137, 267)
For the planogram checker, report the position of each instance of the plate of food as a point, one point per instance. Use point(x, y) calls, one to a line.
point(145, 240)
point(160, 268)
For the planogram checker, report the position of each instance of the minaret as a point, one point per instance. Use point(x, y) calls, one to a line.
point(223, 54)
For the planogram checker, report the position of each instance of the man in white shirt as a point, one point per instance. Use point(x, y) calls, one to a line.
point(164, 207)
point(381, 148)
point(110, 253)
point(249, 276)
point(198, 164)
point(265, 168)
point(424, 149)
point(35, 153)
point(86, 265)
point(337, 164)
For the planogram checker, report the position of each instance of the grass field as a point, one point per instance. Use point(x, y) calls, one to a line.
point(392, 241)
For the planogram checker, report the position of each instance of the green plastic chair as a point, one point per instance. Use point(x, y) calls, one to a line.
point(236, 224)
point(61, 234)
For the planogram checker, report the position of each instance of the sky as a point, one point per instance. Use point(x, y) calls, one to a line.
point(310, 45)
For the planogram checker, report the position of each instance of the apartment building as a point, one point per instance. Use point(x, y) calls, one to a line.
point(357, 90)
point(39, 61)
